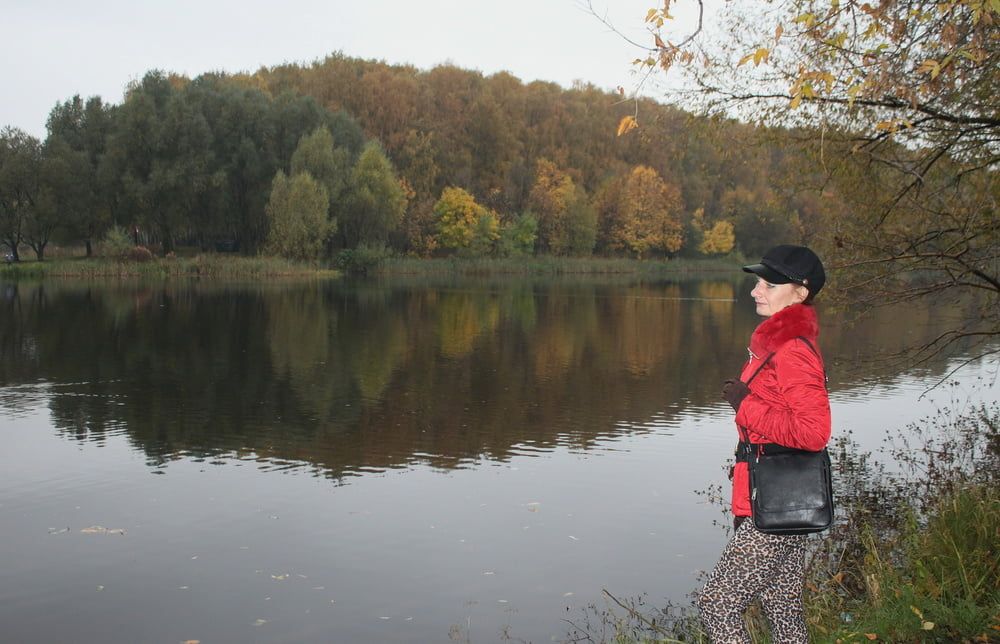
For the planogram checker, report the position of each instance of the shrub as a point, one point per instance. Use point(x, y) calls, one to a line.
point(116, 242)
point(362, 260)
point(138, 254)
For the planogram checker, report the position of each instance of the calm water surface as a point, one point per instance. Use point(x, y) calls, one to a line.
point(382, 462)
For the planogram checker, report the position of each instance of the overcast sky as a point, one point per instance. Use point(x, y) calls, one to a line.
point(53, 49)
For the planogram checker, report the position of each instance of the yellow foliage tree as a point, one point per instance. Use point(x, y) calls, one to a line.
point(457, 214)
point(719, 239)
point(647, 217)
point(549, 200)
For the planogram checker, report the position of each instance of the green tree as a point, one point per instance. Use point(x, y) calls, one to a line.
point(162, 144)
point(581, 223)
point(375, 202)
point(297, 214)
point(328, 164)
point(20, 171)
point(517, 237)
point(77, 139)
point(485, 234)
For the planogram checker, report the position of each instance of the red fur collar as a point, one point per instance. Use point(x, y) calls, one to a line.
point(788, 323)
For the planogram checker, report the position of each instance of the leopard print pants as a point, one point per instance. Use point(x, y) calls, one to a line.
point(755, 564)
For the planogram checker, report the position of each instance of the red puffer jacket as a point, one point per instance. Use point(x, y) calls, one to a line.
point(788, 402)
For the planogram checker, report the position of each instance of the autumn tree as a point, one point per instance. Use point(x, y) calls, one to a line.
point(646, 217)
point(297, 214)
point(457, 216)
point(715, 239)
point(549, 201)
point(906, 97)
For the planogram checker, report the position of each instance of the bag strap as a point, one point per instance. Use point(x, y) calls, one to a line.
point(826, 378)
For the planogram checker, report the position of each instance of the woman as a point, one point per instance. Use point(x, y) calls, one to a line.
point(786, 403)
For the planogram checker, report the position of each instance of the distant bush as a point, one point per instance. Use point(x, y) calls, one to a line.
point(362, 260)
point(138, 254)
point(116, 243)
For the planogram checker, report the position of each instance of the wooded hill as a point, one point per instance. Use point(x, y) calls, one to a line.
point(305, 160)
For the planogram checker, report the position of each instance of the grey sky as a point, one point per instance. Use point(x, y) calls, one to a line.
point(53, 49)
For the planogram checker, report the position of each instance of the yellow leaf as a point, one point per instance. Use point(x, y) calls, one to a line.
point(927, 626)
point(650, 15)
point(626, 125)
point(796, 101)
point(777, 32)
point(760, 55)
point(871, 636)
point(746, 59)
point(916, 611)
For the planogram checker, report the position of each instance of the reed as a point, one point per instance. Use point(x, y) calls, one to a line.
point(198, 266)
point(551, 265)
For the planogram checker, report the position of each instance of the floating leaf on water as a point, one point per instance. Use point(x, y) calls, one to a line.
point(502, 601)
point(194, 557)
point(573, 538)
point(58, 530)
point(384, 617)
point(488, 573)
point(534, 506)
point(99, 529)
point(183, 588)
point(191, 642)
point(260, 622)
point(567, 594)
point(280, 577)
point(319, 587)
point(100, 588)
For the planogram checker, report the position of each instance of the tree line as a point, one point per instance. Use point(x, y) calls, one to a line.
point(305, 161)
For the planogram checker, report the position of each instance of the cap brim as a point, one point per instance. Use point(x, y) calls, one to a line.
point(768, 273)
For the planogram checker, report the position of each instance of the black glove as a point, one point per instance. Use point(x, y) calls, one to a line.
point(734, 391)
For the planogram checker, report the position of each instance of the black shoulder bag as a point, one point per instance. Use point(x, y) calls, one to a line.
point(791, 490)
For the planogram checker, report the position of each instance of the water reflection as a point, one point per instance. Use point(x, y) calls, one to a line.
point(367, 376)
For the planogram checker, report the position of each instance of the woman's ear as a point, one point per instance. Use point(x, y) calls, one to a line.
point(801, 293)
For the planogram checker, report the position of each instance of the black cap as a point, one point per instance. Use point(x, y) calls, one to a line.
point(791, 265)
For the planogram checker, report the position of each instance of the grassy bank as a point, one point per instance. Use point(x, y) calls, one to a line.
point(234, 266)
point(914, 557)
point(206, 266)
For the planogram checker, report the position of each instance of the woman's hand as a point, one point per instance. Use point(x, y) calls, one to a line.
point(734, 391)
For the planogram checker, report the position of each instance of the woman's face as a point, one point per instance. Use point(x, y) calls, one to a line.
point(771, 298)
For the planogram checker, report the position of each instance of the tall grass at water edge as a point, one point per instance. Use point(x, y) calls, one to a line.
point(914, 556)
point(550, 265)
point(209, 265)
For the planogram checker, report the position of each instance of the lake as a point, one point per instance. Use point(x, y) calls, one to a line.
point(410, 460)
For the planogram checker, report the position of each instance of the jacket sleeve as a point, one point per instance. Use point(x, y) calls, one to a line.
point(797, 414)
